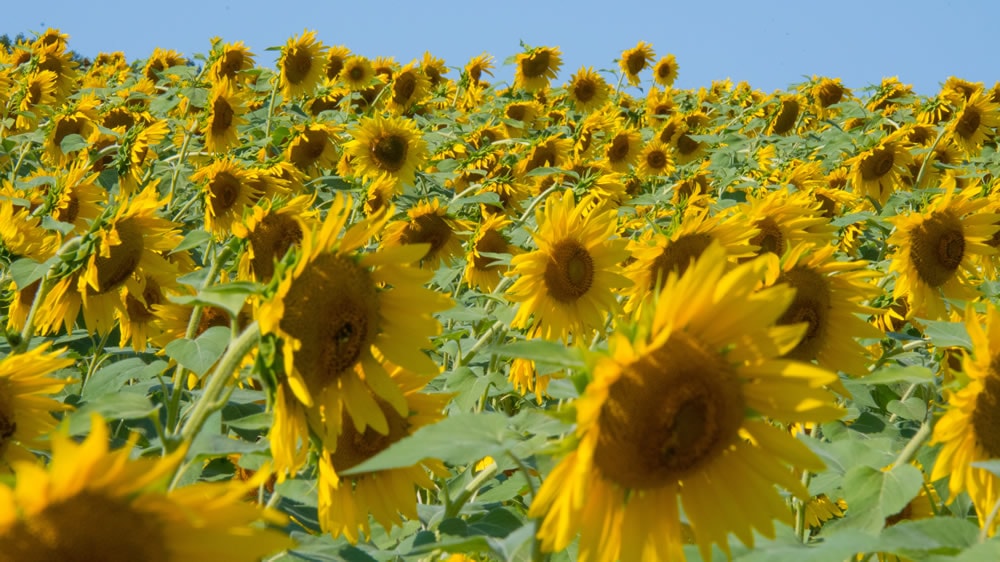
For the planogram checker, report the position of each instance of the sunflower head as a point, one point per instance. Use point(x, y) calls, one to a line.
point(302, 65)
point(665, 71)
point(536, 67)
point(387, 148)
point(635, 60)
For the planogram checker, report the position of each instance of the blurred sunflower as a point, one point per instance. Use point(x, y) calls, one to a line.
point(686, 385)
point(76, 119)
point(96, 504)
point(968, 430)
point(128, 247)
point(226, 187)
point(409, 87)
point(159, 62)
point(975, 123)
point(38, 95)
point(654, 160)
point(348, 503)
point(313, 147)
point(481, 271)
point(337, 312)
point(429, 223)
point(786, 114)
point(879, 171)
point(657, 255)
point(830, 297)
point(225, 113)
point(635, 60)
point(357, 73)
point(936, 249)
point(390, 147)
point(785, 218)
point(25, 403)
point(827, 92)
point(233, 60)
point(434, 69)
point(139, 145)
point(271, 229)
point(665, 71)
point(587, 90)
point(302, 64)
point(622, 149)
point(565, 286)
point(536, 67)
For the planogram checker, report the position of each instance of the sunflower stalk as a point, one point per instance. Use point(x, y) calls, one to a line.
point(28, 330)
point(497, 326)
point(914, 444)
point(218, 382)
point(927, 158)
point(470, 489)
point(188, 133)
point(801, 529)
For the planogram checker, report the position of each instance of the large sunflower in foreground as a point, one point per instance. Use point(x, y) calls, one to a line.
point(936, 250)
point(969, 431)
point(565, 286)
point(25, 405)
point(346, 502)
point(336, 312)
point(671, 419)
point(387, 147)
point(95, 504)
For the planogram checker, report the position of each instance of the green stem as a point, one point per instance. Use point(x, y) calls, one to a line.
point(927, 159)
point(177, 169)
point(801, 529)
point(536, 201)
point(270, 110)
point(28, 330)
point(911, 448)
point(481, 342)
point(211, 399)
point(984, 532)
point(470, 489)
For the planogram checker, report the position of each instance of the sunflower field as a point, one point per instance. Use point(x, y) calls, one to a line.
point(352, 309)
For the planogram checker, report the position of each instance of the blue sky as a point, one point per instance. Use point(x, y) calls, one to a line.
point(769, 43)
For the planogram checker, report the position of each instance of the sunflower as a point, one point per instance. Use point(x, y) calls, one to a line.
point(655, 160)
point(127, 248)
point(390, 147)
point(408, 87)
point(968, 429)
point(429, 223)
point(96, 504)
point(77, 198)
point(434, 69)
point(565, 286)
point(271, 230)
point(689, 384)
point(357, 73)
point(659, 105)
point(78, 119)
point(828, 92)
point(786, 114)
point(313, 147)
point(228, 193)
point(521, 115)
point(25, 406)
point(552, 152)
point(665, 71)
point(657, 255)
point(936, 249)
point(588, 90)
point(346, 502)
point(225, 113)
point(622, 150)
point(233, 60)
point(635, 60)
point(785, 218)
point(482, 271)
point(536, 67)
point(974, 123)
point(140, 154)
point(829, 299)
point(477, 66)
point(54, 58)
point(159, 62)
point(337, 312)
point(302, 65)
point(137, 321)
point(821, 509)
point(38, 95)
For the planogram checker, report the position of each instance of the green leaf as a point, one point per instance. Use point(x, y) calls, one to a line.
point(542, 352)
point(836, 547)
point(192, 239)
point(112, 378)
point(72, 143)
point(873, 494)
point(937, 535)
point(124, 405)
point(498, 522)
point(899, 373)
point(26, 271)
point(200, 354)
point(912, 408)
point(457, 439)
point(947, 334)
point(229, 296)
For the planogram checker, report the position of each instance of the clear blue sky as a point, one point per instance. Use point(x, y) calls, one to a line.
point(769, 43)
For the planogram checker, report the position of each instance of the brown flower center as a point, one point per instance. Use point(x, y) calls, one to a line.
point(87, 526)
point(937, 246)
point(297, 64)
point(308, 148)
point(354, 447)
point(332, 308)
point(428, 228)
point(271, 240)
point(584, 90)
point(389, 152)
point(222, 116)
point(877, 164)
point(811, 305)
point(656, 160)
point(635, 62)
point(785, 119)
point(968, 122)
point(829, 93)
point(490, 242)
point(536, 64)
point(770, 239)
point(672, 411)
point(403, 88)
point(986, 416)
point(224, 190)
point(569, 272)
point(619, 149)
point(123, 258)
point(677, 256)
